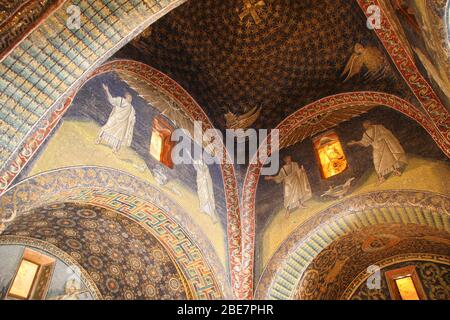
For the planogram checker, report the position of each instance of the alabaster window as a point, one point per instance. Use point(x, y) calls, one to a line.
point(330, 154)
point(161, 145)
point(32, 277)
point(405, 284)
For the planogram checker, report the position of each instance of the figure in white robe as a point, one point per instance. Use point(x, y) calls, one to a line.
point(118, 130)
point(205, 190)
point(297, 189)
point(72, 291)
point(388, 154)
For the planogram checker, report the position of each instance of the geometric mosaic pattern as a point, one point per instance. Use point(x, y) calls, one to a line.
point(188, 257)
point(292, 57)
point(18, 17)
point(47, 66)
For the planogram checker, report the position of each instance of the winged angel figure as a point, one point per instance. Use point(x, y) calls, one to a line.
point(243, 121)
point(165, 105)
point(370, 58)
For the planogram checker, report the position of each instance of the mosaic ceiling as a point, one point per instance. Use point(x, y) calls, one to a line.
point(121, 257)
point(277, 55)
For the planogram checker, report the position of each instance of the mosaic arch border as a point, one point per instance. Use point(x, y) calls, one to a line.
point(423, 91)
point(363, 276)
point(109, 189)
point(58, 253)
point(172, 89)
point(46, 67)
point(309, 239)
point(302, 116)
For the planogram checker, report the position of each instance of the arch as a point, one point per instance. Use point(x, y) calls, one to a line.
point(405, 64)
point(110, 189)
point(401, 207)
point(44, 70)
point(307, 113)
point(172, 89)
point(17, 71)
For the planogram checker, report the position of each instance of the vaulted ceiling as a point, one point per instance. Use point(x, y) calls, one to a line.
point(279, 55)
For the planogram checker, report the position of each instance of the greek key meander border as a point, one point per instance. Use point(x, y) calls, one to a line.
point(55, 251)
point(195, 287)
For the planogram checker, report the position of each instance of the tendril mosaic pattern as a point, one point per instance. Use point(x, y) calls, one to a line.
point(434, 276)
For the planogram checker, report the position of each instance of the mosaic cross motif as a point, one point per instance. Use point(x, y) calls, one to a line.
point(251, 9)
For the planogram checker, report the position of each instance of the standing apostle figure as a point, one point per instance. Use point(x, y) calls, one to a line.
point(118, 131)
point(297, 189)
point(388, 154)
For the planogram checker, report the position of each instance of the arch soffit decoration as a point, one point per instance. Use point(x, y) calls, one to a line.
point(107, 188)
point(356, 213)
point(173, 90)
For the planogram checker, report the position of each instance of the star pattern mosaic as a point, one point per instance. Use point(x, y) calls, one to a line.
point(292, 54)
point(121, 257)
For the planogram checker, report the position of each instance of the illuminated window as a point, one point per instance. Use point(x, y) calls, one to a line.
point(404, 284)
point(24, 280)
point(330, 154)
point(32, 278)
point(161, 145)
